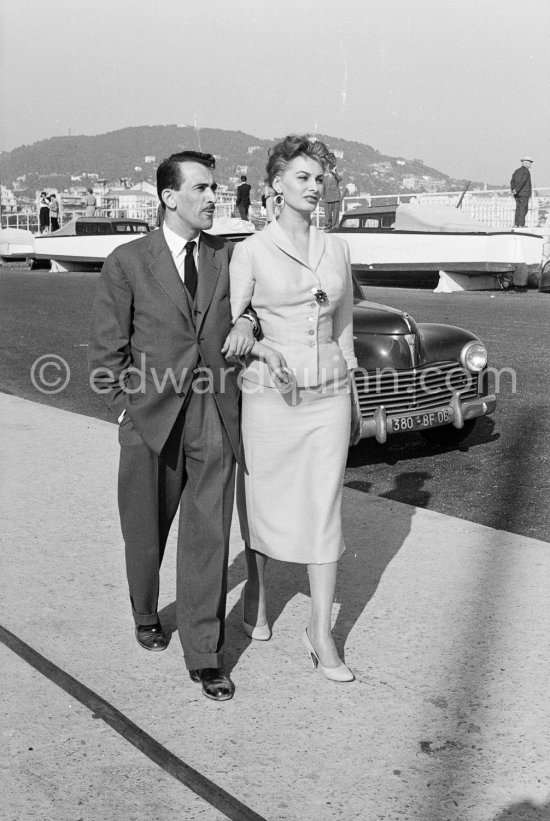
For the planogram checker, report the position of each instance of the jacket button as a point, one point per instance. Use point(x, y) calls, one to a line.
point(312, 344)
point(311, 332)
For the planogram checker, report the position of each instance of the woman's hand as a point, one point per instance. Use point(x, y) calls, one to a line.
point(278, 370)
point(240, 339)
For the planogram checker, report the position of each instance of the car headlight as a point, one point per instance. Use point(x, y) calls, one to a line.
point(473, 356)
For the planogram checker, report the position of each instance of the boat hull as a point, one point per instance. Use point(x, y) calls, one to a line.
point(16, 244)
point(66, 252)
point(382, 256)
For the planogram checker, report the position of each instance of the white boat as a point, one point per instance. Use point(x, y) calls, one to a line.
point(86, 241)
point(414, 243)
point(16, 244)
point(231, 227)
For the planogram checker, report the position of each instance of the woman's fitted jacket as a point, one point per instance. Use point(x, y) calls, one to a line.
point(315, 339)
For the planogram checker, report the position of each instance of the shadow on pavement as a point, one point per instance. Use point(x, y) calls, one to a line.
point(408, 488)
point(525, 811)
point(370, 547)
point(408, 446)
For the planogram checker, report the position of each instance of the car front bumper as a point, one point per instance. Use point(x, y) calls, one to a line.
point(455, 413)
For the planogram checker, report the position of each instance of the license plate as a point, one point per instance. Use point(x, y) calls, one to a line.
point(417, 421)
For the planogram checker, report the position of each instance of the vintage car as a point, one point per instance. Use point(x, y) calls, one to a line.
point(423, 377)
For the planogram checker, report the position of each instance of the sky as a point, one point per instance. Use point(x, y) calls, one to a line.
point(459, 84)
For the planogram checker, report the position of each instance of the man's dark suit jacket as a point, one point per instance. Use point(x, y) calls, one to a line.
point(521, 182)
point(243, 194)
point(143, 321)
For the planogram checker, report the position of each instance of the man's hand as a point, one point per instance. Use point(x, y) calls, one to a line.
point(240, 339)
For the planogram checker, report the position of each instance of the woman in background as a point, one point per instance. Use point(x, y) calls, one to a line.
point(296, 413)
point(43, 213)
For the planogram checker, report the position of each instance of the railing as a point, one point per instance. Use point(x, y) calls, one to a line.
point(495, 208)
point(29, 222)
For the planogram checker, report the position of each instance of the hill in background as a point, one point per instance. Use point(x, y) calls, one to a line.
point(133, 154)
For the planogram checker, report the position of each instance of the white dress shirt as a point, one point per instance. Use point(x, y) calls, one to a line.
point(177, 244)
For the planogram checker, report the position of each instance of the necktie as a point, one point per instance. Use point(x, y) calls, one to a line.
point(190, 270)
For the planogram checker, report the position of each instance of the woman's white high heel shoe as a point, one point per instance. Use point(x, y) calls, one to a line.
point(258, 632)
point(340, 673)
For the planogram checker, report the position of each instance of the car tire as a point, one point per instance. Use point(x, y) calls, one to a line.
point(448, 434)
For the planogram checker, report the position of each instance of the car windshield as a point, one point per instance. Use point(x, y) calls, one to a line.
point(130, 228)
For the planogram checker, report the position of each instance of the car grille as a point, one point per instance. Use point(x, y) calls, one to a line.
point(419, 389)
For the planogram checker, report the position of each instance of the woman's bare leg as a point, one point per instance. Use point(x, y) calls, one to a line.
point(322, 583)
point(254, 602)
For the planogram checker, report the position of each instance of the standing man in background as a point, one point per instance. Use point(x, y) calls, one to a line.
point(331, 194)
point(54, 212)
point(243, 198)
point(521, 189)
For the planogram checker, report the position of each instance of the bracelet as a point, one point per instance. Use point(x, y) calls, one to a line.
point(252, 319)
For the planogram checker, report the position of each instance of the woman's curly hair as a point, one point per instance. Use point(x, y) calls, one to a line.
point(295, 145)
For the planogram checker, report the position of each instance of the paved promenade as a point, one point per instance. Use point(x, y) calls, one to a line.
point(446, 624)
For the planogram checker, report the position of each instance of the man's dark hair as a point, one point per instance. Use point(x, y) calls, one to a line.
point(169, 171)
point(243, 178)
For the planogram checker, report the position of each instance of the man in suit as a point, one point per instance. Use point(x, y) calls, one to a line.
point(521, 189)
point(243, 198)
point(331, 194)
point(160, 320)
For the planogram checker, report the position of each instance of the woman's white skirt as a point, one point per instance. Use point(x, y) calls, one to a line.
point(295, 449)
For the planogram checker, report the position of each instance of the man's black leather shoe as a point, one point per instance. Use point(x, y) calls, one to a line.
point(151, 637)
point(216, 684)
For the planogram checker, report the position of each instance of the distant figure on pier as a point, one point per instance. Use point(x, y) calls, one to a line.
point(43, 213)
point(54, 212)
point(331, 194)
point(90, 202)
point(243, 198)
point(521, 189)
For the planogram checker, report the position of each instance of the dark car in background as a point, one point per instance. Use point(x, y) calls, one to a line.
point(411, 376)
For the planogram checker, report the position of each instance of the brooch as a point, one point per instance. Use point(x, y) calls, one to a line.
point(320, 295)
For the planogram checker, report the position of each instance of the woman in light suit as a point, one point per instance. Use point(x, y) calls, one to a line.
point(296, 413)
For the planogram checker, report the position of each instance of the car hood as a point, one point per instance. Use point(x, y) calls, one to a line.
point(373, 318)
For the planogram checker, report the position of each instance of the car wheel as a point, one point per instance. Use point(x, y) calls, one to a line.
point(449, 435)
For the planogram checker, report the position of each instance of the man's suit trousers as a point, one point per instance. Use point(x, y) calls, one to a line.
point(522, 206)
point(196, 468)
